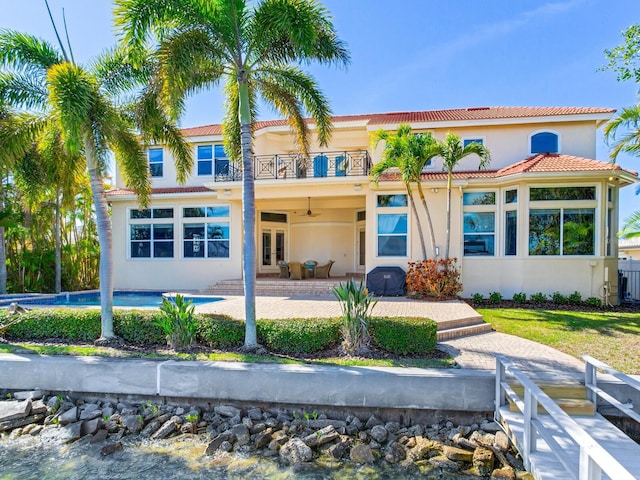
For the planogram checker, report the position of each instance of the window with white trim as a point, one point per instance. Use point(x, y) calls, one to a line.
point(212, 160)
point(156, 161)
point(479, 223)
point(392, 217)
point(151, 233)
point(206, 231)
point(562, 220)
point(511, 221)
point(544, 142)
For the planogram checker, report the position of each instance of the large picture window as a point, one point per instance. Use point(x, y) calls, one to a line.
point(151, 233)
point(393, 228)
point(479, 223)
point(206, 231)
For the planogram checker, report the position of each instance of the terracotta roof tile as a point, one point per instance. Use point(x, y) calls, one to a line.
point(159, 191)
point(459, 114)
point(556, 162)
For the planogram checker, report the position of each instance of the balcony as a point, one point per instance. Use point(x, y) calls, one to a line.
point(346, 163)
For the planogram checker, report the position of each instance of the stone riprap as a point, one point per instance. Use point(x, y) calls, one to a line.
point(292, 437)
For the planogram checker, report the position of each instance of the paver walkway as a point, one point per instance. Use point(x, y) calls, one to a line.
point(474, 352)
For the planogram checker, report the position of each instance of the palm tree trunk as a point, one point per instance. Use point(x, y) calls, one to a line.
point(3, 251)
point(418, 224)
point(248, 219)
point(104, 239)
point(429, 222)
point(58, 245)
point(446, 247)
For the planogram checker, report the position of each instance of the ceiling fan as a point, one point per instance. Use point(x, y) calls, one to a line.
point(309, 213)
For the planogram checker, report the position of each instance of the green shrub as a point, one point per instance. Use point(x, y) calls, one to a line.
point(477, 298)
point(520, 297)
point(495, 297)
point(593, 302)
point(299, 335)
point(177, 321)
point(220, 331)
point(404, 336)
point(558, 298)
point(539, 297)
point(138, 326)
point(356, 304)
point(82, 325)
point(575, 298)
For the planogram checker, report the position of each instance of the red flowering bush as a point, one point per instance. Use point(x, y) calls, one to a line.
point(433, 279)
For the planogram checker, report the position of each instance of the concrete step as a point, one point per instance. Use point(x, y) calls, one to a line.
point(464, 331)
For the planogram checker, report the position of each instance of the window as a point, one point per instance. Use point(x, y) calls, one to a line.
point(212, 159)
point(544, 142)
point(208, 237)
point(156, 165)
point(479, 223)
point(151, 233)
point(392, 225)
point(468, 141)
point(511, 222)
point(566, 224)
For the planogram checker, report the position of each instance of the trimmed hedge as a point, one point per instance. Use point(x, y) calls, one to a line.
point(404, 336)
point(220, 331)
point(299, 335)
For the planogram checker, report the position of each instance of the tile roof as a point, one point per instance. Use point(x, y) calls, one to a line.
point(458, 114)
point(117, 192)
point(556, 162)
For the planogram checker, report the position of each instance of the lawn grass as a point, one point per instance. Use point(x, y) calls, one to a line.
point(611, 337)
point(89, 350)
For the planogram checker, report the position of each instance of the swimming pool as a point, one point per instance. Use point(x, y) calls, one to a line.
point(137, 299)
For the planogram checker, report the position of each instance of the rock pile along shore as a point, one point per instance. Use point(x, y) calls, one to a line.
point(293, 437)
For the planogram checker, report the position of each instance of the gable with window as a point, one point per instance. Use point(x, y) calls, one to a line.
point(206, 231)
point(151, 233)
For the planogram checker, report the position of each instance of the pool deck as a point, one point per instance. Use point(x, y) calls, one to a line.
point(475, 352)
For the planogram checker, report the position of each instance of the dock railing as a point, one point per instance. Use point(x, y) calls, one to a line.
point(594, 392)
point(594, 459)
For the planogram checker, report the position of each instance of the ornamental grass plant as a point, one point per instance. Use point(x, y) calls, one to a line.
point(356, 304)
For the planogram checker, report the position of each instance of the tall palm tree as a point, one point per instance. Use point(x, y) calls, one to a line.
point(629, 119)
point(409, 153)
point(82, 106)
point(254, 49)
point(452, 151)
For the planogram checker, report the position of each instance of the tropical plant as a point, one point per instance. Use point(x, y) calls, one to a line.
point(452, 151)
point(356, 304)
point(254, 49)
point(178, 322)
point(625, 59)
point(629, 142)
point(409, 153)
point(85, 108)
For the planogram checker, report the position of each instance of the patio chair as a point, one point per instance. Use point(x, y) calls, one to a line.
point(296, 271)
point(284, 270)
point(322, 271)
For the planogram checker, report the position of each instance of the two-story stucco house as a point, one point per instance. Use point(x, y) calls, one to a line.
point(542, 218)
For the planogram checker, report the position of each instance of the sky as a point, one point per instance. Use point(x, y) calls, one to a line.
point(410, 55)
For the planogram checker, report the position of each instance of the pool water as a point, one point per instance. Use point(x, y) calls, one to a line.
point(120, 299)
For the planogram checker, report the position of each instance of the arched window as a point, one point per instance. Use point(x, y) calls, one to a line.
point(544, 142)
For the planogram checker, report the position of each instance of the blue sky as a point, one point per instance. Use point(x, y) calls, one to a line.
point(425, 54)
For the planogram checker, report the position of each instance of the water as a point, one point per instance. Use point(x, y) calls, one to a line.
point(126, 299)
point(178, 458)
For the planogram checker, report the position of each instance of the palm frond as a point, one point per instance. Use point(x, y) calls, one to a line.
point(23, 90)
point(27, 53)
point(629, 119)
point(631, 228)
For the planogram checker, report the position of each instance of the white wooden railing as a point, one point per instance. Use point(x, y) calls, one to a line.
point(591, 382)
point(594, 459)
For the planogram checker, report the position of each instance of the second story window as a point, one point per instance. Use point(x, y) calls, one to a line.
point(156, 164)
point(212, 160)
point(468, 141)
point(544, 142)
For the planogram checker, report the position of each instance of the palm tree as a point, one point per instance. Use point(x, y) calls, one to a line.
point(452, 151)
point(630, 141)
point(254, 49)
point(82, 106)
point(409, 153)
